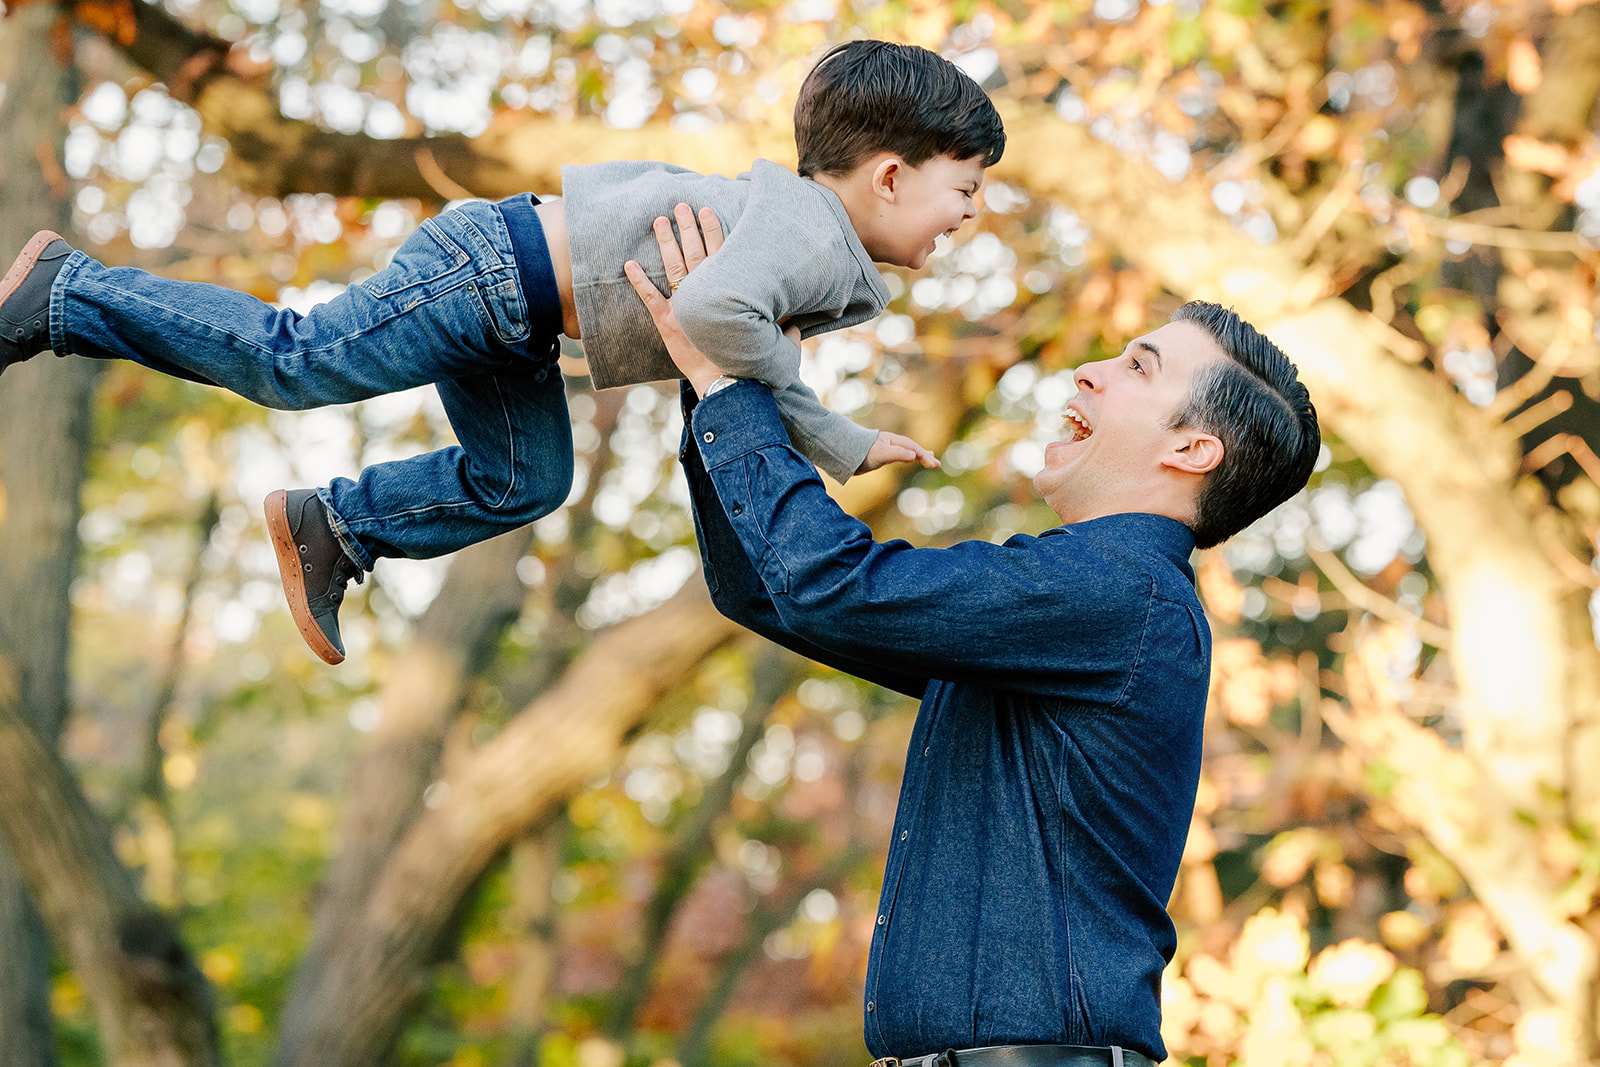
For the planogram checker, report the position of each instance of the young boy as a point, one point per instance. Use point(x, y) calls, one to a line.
point(893, 144)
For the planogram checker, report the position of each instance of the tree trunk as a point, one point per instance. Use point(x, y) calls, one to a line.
point(43, 436)
point(481, 805)
point(455, 636)
point(153, 1006)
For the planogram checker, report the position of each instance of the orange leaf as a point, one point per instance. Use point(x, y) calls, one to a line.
point(1530, 153)
point(1523, 69)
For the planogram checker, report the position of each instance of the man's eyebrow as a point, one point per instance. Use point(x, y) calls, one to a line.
point(1153, 350)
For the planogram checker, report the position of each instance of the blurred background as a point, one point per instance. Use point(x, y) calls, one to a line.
point(553, 809)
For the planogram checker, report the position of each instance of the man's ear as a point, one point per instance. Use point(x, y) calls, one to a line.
point(886, 178)
point(1195, 452)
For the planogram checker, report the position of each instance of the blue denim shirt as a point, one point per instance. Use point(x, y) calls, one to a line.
point(1053, 765)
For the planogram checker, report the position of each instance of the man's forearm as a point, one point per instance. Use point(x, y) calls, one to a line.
point(736, 588)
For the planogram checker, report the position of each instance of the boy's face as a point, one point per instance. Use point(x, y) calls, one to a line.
point(928, 202)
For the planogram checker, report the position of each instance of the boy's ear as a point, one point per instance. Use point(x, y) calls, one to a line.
point(886, 178)
point(1195, 452)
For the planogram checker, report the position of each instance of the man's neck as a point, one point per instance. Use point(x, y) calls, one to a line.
point(1179, 508)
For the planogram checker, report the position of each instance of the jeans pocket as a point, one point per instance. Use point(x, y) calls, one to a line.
point(426, 256)
point(502, 307)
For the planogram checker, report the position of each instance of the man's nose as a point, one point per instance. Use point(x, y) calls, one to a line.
point(1087, 376)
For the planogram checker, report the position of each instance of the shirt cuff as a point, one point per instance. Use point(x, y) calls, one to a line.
point(739, 419)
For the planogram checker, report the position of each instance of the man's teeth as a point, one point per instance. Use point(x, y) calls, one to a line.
point(1080, 428)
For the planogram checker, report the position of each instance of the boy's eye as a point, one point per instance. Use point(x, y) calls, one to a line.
point(1136, 364)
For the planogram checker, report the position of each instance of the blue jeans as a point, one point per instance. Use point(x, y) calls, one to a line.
point(450, 310)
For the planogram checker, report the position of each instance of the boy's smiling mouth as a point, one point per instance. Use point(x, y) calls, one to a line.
point(1079, 425)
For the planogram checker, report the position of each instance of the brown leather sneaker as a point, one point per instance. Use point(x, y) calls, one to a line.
point(25, 297)
point(313, 566)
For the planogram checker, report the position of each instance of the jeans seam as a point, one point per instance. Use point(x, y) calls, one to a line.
point(74, 266)
point(275, 357)
point(347, 538)
point(511, 481)
point(511, 445)
point(446, 243)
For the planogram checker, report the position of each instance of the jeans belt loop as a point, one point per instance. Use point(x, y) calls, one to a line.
point(1116, 1056)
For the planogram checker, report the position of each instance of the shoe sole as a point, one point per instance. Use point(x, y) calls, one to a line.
point(26, 260)
point(294, 581)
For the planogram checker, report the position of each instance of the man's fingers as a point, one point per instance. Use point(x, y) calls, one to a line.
point(671, 254)
point(694, 247)
point(654, 302)
point(711, 227)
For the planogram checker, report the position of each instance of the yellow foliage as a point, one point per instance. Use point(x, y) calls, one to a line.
point(1470, 941)
point(1241, 683)
point(1277, 1033)
point(1545, 1037)
point(1402, 930)
point(1349, 971)
point(221, 964)
point(245, 1018)
point(1271, 943)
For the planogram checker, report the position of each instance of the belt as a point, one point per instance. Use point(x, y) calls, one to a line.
point(1025, 1056)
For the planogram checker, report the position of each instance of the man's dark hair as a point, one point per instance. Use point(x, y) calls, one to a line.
point(865, 97)
point(1254, 402)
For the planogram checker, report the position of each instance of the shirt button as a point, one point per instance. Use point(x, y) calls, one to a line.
point(871, 1006)
point(881, 920)
point(708, 437)
point(903, 834)
point(737, 509)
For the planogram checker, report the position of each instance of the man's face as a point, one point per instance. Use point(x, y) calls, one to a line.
point(930, 201)
point(1119, 450)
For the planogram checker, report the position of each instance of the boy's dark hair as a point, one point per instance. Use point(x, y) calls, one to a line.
point(1255, 403)
point(875, 96)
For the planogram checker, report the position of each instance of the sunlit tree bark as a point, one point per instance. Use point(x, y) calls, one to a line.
point(43, 437)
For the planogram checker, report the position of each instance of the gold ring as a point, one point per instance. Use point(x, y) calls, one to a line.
point(672, 286)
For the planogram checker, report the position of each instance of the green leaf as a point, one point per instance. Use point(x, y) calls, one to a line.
point(1401, 997)
point(1186, 42)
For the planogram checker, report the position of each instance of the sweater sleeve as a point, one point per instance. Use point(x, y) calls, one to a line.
point(732, 306)
point(825, 437)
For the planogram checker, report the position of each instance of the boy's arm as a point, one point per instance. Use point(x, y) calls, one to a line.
point(768, 269)
point(828, 439)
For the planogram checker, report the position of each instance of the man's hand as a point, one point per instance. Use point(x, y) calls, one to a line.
point(896, 448)
point(679, 261)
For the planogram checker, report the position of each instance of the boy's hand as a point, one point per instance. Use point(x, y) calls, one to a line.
point(896, 448)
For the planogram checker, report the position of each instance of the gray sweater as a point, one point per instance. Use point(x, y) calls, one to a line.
point(791, 256)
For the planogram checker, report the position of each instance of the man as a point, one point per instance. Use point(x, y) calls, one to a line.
point(1053, 765)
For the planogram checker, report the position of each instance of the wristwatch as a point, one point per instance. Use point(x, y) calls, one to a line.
point(721, 383)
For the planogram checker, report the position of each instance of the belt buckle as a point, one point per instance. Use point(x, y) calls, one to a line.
point(886, 1061)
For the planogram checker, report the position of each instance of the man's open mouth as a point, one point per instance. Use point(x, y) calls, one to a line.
point(1079, 425)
